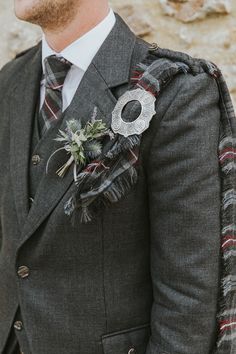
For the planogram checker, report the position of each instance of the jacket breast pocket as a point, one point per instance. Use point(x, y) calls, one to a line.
point(130, 341)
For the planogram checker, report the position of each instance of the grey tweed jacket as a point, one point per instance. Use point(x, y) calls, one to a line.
point(143, 276)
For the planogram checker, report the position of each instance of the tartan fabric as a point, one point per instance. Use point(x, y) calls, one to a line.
point(56, 69)
point(227, 159)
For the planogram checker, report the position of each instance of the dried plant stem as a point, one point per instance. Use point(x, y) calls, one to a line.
point(62, 170)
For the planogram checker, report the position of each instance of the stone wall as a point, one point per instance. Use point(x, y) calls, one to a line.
point(202, 28)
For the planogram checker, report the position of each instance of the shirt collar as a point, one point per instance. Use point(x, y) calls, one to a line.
point(82, 51)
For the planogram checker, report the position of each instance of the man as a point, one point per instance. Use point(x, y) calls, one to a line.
point(143, 276)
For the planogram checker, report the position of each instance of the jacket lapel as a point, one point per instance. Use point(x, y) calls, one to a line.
point(110, 68)
point(24, 97)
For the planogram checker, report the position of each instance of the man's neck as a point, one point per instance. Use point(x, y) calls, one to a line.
point(87, 18)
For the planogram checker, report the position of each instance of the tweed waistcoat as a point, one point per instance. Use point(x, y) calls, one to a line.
point(39, 154)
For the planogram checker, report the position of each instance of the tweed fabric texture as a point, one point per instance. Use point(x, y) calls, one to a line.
point(145, 273)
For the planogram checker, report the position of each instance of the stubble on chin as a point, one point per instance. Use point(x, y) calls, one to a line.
point(51, 14)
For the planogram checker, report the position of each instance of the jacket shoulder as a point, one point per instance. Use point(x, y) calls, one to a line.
point(197, 65)
point(160, 66)
point(13, 67)
point(175, 78)
point(23, 52)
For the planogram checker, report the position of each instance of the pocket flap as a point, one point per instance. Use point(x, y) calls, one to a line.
point(123, 341)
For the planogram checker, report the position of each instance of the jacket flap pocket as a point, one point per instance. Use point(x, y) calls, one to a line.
point(130, 341)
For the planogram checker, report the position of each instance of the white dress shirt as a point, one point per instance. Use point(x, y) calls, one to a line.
point(80, 53)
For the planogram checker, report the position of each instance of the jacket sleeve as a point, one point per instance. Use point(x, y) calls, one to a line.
point(184, 201)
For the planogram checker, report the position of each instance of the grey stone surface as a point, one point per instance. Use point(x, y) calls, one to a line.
point(210, 34)
point(192, 10)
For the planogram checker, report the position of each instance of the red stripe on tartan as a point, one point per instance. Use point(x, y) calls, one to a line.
point(227, 153)
point(228, 236)
point(47, 111)
point(137, 76)
point(50, 109)
point(228, 328)
point(137, 73)
point(52, 103)
point(227, 321)
point(229, 156)
point(56, 87)
point(229, 244)
point(227, 325)
point(228, 149)
point(148, 88)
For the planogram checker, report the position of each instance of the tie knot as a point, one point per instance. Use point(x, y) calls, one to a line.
point(56, 69)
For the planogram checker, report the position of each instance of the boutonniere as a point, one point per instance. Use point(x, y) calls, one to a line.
point(82, 144)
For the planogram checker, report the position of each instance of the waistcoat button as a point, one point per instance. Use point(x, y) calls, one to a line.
point(18, 325)
point(36, 159)
point(31, 199)
point(23, 272)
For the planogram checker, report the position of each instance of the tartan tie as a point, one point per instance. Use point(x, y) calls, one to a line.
point(56, 69)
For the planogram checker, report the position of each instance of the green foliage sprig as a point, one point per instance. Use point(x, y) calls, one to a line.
point(82, 143)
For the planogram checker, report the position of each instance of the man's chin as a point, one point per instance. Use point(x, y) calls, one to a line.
point(25, 17)
point(28, 16)
point(46, 13)
point(23, 9)
point(21, 15)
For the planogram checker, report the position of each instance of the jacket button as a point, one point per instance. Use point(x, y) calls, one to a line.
point(36, 159)
point(132, 351)
point(31, 199)
point(23, 272)
point(18, 325)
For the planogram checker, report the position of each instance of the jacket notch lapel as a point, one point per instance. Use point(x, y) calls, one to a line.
point(93, 91)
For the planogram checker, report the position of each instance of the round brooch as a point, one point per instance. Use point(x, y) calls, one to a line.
point(139, 125)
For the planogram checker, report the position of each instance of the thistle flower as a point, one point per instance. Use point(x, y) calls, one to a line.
point(82, 144)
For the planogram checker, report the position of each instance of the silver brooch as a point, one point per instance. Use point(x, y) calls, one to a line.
point(139, 125)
